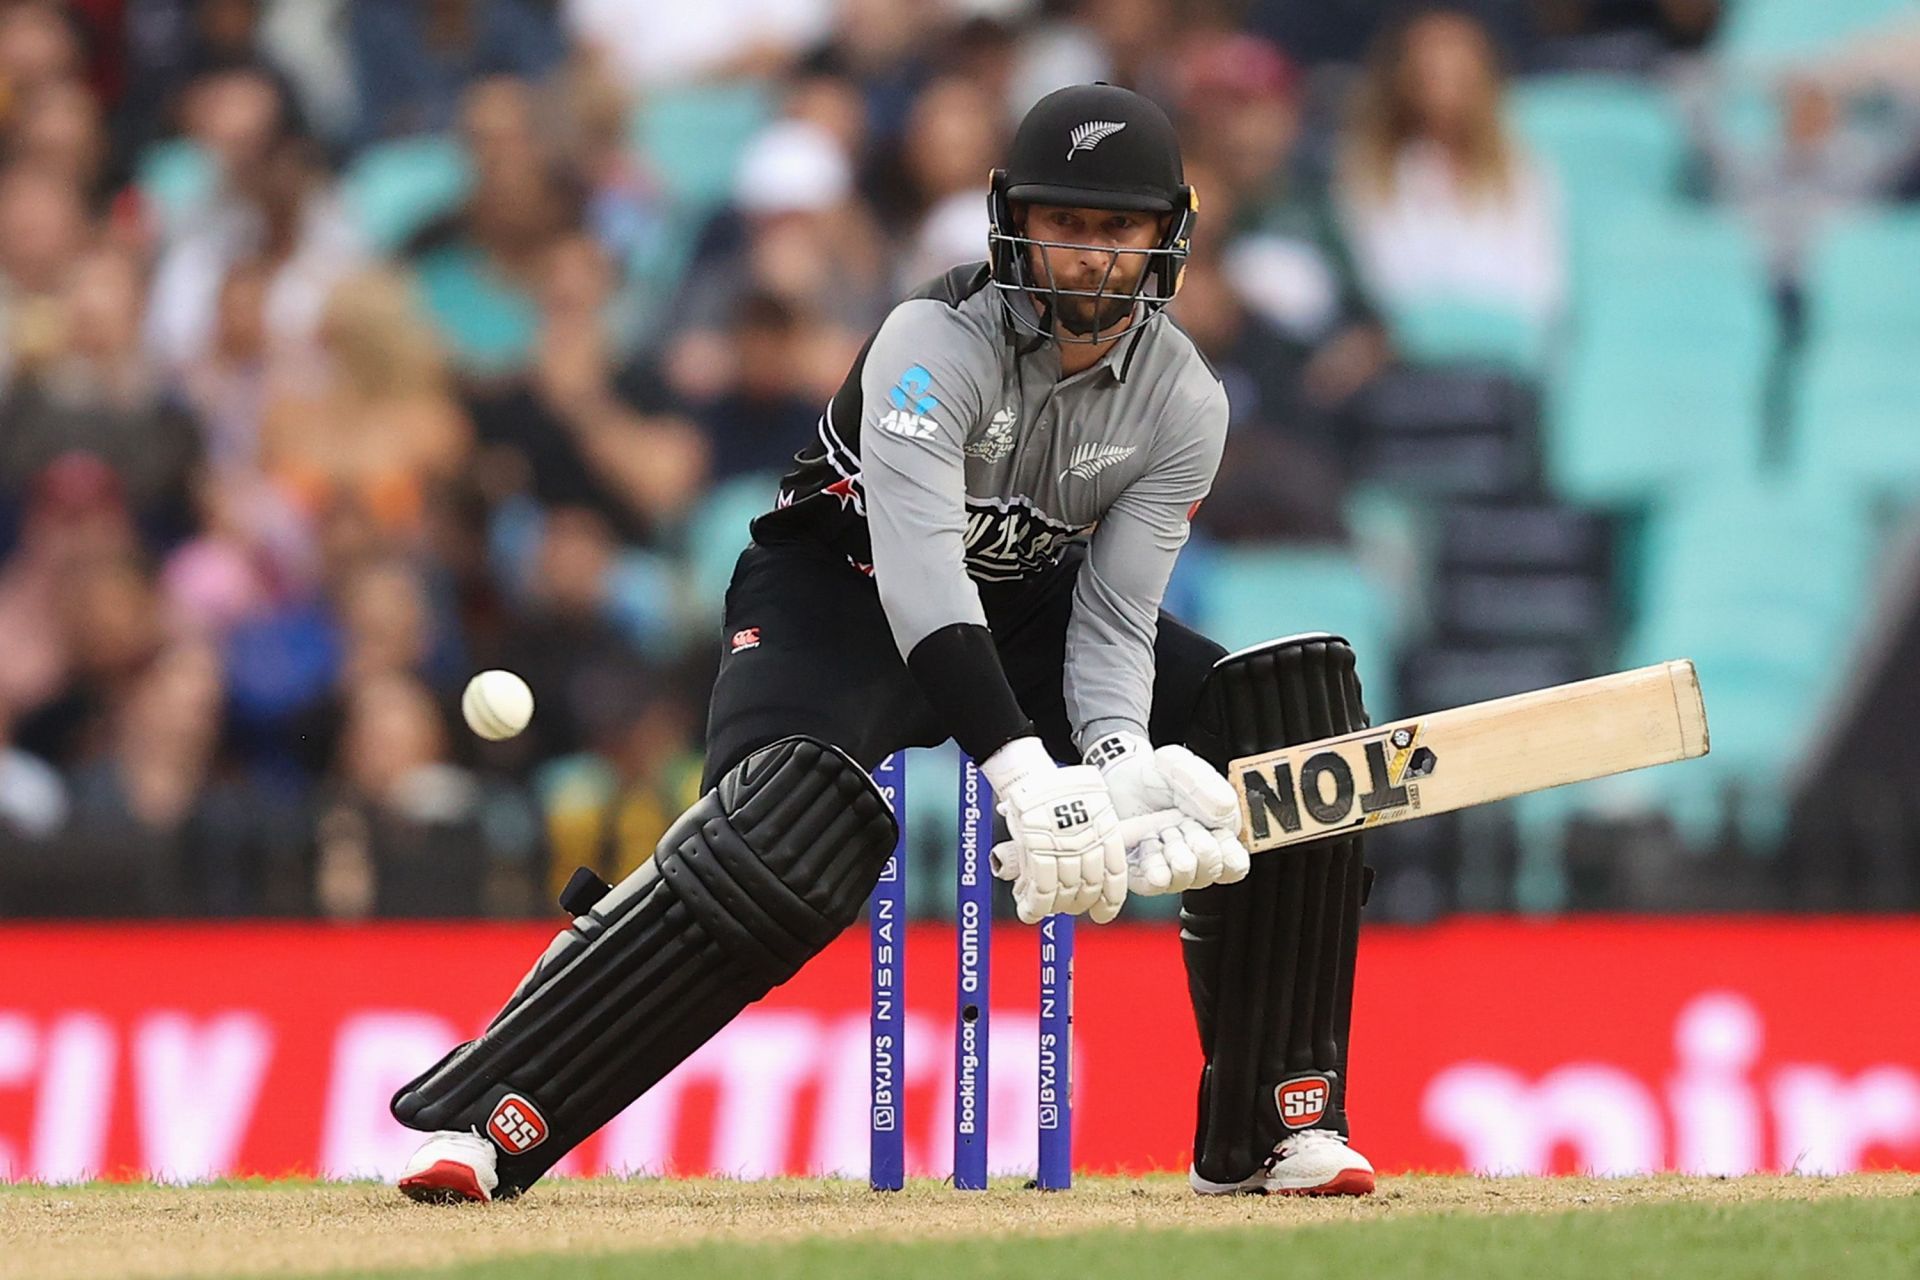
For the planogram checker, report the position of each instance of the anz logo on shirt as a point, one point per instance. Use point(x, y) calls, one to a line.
point(1014, 541)
point(912, 401)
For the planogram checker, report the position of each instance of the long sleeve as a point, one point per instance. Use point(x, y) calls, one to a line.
point(1116, 600)
point(923, 381)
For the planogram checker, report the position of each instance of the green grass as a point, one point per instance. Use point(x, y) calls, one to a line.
point(95, 1186)
point(1857, 1239)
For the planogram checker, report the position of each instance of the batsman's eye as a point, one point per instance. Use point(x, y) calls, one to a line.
point(1069, 815)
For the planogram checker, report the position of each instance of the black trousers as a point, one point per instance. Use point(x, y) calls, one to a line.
point(806, 649)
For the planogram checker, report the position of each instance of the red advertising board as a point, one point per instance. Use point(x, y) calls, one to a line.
point(1708, 1045)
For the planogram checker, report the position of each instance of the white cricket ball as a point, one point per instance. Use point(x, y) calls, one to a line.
point(497, 705)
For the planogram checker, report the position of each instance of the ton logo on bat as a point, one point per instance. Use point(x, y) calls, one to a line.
point(1327, 788)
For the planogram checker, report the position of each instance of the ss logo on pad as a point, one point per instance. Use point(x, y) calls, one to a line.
point(1303, 1100)
point(1070, 815)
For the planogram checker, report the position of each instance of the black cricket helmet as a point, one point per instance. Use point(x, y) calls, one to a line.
point(1091, 146)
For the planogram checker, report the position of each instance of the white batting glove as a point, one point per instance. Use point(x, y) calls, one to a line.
point(1063, 850)
point(1179, 818)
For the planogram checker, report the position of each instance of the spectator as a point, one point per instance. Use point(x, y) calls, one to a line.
point(1281, 477)
point(33, 799)
point(1826, 160)
point(253, 549)
point(389, 625)
point(1623, 35)
point(876, 45)
point(277, 215)
point(292, 666)
point(1126, 42)
point(479, 271)
point(413, 59)
point(1338, 31)
point(1442, 204)
point(654, 46)
point(953, 138)
point(399, 833)
point(230, 118)
point(145, 811)
point(566, 641)
point(608, 808)
point(379, 428)
point(769, 404)
point(91, 388)
point(985, 51)
point(806, 240)
point(172, 47)
point(1885, 59)
point(75, 515)
point(58, 129)
point(39, 48)
point(834, 103)
point(226, 383)
point(626, 211)
point(43, 229)
point(307, 42)
point(251, 555)
point(110, 624)
point(1279, 242)
point(580, 432)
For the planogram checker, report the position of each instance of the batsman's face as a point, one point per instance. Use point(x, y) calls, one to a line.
point(1093, 249)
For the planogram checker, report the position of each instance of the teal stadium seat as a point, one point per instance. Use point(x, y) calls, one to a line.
point(1861, 279)
point(1856, 413)
point(178, 178)
point(1683, 274)
point(641, 601)
point(392, 190)
point(693, 136)
point(1771, 31)
point(1763, 585)
point(1856, 396)
point(1443, 332)
point(715, 535)
point(1616, 143)
point(1665, 381)
point(1632, 417)
point(1248, 594)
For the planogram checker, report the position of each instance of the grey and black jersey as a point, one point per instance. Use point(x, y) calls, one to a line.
point(955, 451)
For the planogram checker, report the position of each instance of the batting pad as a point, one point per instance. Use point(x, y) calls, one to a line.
point(752, 881)
point(1270, 959)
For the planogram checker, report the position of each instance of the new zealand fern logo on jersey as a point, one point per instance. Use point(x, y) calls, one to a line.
point(1086, 137)
point(1090, 459)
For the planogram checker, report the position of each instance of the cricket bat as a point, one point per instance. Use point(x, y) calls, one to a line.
point(1471, 755)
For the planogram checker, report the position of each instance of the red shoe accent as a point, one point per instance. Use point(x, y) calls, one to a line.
point(1349, 1182)
point(443, 1182)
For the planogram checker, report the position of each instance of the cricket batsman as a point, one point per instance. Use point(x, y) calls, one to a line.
point(974, 546)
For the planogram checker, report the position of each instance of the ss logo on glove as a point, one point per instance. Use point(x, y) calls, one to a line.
point(1068, 816)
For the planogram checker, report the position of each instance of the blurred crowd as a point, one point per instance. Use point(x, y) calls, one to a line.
point(350, 346)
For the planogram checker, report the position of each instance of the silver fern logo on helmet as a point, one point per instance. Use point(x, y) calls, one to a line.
point(1091, 134)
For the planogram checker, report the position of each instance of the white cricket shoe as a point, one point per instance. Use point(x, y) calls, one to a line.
point(1313, 1162)
point(450, 1167)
